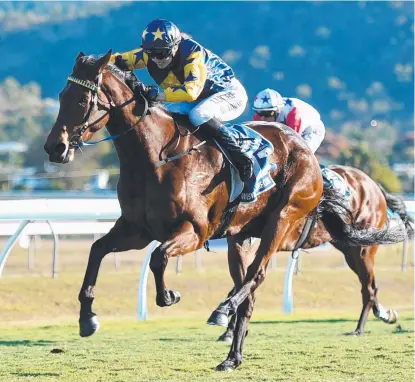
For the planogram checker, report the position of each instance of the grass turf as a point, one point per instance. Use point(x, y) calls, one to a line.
point(39, 314)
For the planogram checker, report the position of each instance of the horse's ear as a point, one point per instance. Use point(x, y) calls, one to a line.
point(80, 54)
point(103, 61)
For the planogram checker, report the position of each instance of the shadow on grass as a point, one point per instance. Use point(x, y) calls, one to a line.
point(37, 374)
point(26, 343)
point(176, 339)
point(304, 321)
point(327, 321)
point(400, 330)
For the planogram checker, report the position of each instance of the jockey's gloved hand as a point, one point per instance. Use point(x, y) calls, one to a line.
point(138, 88)
point(120, 63)
point(154, 94)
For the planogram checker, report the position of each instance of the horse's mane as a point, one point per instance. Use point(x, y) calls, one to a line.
point(91, 61)
point(122, 75)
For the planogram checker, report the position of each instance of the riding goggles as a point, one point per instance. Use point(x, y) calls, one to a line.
point(159, 54)
point(267, 113)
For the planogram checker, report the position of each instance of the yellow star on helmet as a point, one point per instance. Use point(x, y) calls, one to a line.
point(144, 34)
point(158, 34)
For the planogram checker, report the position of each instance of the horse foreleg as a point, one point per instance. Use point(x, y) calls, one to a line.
point(122, 237)
point(183, 241)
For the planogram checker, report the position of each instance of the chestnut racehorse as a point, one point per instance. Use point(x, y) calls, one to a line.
point(369, 202)
point(181, 204)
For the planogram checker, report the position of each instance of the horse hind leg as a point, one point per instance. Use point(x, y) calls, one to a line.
point(361, 261)
point(228, 335)
point(364, 264)
point(240, 255)
point(278, 226)
point(183, 241)
point(354, 257)
point(243, 316)
point(369, 291)
point(389, 316)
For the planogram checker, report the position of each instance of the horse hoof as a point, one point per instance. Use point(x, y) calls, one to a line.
point(88, 326)
point(218, 318)
point(227, 365)
point(393, 316)
point(174, 296)
point(169, 297)
point(226, 338)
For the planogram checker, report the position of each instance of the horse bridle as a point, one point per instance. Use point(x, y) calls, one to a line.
point(75, 140)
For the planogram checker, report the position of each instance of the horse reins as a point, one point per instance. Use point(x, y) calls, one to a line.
point(184, 153)
point(75, 140)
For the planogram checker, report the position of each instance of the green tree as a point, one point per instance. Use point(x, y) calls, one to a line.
point(360, 156)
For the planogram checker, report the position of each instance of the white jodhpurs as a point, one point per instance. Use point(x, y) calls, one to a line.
point(314, 135)
point(226, 105)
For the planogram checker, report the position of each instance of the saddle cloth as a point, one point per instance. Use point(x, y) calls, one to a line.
point(332, 180)
point(258, 148)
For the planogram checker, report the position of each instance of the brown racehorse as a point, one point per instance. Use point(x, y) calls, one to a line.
point(369, 202)
point(181, 204)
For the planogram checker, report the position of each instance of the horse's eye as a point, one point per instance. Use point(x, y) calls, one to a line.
point(84, 100)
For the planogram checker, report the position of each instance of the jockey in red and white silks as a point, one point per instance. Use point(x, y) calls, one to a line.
point(304, 119)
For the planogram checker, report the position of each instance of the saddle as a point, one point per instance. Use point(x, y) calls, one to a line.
point(253, 145)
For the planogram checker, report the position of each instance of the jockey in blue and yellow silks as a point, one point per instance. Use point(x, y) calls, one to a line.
point(193, 81)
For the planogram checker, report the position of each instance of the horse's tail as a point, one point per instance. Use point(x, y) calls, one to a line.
point(342, 226)
point(396, 204)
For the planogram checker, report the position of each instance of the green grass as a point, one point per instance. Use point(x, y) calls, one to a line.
point(185, 350)
point(39, 314)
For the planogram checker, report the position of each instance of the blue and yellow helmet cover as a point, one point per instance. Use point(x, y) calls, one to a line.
point(160, 34)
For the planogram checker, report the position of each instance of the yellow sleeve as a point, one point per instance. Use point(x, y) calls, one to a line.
point(195, 75)
point(134, 59)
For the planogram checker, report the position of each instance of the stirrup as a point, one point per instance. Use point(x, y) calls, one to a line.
point(245, 167)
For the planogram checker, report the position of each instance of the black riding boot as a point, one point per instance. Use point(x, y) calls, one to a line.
point(215, 129)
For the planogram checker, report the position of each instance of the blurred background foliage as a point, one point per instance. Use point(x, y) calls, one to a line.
point(353, 61)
